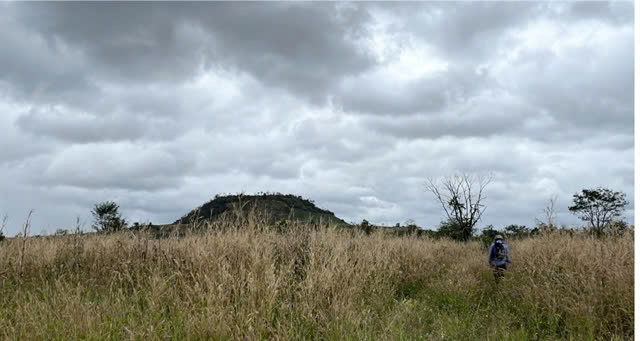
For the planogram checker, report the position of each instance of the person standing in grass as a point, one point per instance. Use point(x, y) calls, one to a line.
point(499, 256)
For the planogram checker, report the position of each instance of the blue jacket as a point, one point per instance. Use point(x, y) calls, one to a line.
point(492, 256)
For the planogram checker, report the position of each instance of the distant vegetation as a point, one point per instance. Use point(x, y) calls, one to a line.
point(460, 196)
point(273, 207)
point(107, 217)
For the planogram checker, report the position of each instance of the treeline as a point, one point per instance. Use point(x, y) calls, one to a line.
point(460, 196)
point(462, 199)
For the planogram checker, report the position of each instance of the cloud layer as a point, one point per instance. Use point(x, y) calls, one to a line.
point(160, 106)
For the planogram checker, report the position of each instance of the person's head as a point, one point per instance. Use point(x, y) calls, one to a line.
point(498, 239)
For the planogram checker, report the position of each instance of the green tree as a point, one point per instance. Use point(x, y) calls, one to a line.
point(107, 218)
point(488, 234)
point(517, 231)
point(61, 232)
point(460, 231)
point(598, 206)
point(3, 226)
point(412, 228)
point(618, 227)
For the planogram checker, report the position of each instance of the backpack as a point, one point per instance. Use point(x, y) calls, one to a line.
point(500, 251)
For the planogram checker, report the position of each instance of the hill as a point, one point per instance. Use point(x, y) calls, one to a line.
point(275, 206)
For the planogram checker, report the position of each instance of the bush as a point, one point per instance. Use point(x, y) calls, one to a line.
point(488, 235)
point(61, 232)
point(452, 229)
point(365, 227)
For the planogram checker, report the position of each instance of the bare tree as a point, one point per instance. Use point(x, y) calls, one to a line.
point(461, 198)
point(549, 210)
point(550, 216)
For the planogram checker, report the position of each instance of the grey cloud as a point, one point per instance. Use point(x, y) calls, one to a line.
point(338, 138)
point(542, 94)
point(161, 106)
point(291, 150)
point(135, 41)
point(587, 88)
point(300, 47)
point(122, 165)
point(492, 112)
point(617, 12)
point(85, 127)
point(131, 64)
point(474, 32)
point(465, 31)
point(481, 123)
point(31, 67)
point(428, 94)
point(79, 128)
point(153, 112)
point(16, 147)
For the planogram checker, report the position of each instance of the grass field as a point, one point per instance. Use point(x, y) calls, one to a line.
point(247, 283)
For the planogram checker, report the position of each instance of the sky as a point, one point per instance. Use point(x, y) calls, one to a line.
point(161, 106)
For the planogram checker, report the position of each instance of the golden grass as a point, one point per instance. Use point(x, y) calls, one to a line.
point(246, 282)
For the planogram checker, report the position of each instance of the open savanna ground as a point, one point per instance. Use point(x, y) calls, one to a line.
point(242, 281)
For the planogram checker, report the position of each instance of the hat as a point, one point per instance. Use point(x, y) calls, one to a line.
point(498, 236)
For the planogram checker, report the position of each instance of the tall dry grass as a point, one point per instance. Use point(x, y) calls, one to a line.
point(247, 282)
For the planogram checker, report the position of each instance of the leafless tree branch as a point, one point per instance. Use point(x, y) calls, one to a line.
point(461, 197)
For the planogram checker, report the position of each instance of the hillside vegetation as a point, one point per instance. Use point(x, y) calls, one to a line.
point(270, 207)
point(250, 282)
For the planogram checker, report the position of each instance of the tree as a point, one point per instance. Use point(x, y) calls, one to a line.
point(107, 218)
point(548, 224)
point(366, 227)
point(412, 227)
point(461, 198)
point(3, 226)
point(550, 214)
point(598, 207)
point(61, 232)
point(519, 231)
point(618, 227)
point(488, 235)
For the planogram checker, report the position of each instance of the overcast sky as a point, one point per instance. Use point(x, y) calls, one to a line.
point(160, 106)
